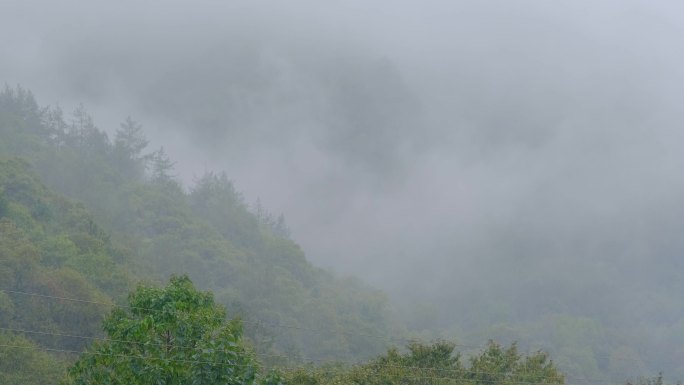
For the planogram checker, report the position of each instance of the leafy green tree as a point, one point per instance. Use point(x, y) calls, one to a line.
point(171, 335)
point(437, 364)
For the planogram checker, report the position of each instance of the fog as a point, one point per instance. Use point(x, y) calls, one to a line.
point(526, 152)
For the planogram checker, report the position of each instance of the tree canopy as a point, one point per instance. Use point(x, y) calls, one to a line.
point(171, 335)
point(439, 364)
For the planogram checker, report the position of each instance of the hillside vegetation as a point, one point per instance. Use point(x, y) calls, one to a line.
point(87, 216)
point(83, 216)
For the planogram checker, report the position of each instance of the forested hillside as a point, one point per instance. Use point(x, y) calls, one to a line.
point(459, 171)
point(49, 246)
point(84, 216)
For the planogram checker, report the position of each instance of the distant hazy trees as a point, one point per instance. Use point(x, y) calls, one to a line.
point(129, 143)
point(161, 167)
point(83, 220)
point(266, 219)
point(3, 204)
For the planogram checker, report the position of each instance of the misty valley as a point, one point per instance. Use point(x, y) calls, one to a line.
point(352, 193)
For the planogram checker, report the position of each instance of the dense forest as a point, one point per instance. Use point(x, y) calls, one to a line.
point(83, 219)
point(86, 218)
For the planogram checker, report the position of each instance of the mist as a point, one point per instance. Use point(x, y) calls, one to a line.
point(527, 153)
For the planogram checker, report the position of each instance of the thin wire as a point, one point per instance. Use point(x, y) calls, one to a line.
point(256, 322)
point(91, 338)
point(123, 355)
point(132, 342)
point(193, 347)
point(55, 297)
point(73, 299)
point(624, 359)
point(318, 330)
point(253, 322)
point(224, 363)
point(376, 365)
point(272, 324)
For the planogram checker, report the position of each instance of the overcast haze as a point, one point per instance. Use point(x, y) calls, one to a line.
point(427, 147)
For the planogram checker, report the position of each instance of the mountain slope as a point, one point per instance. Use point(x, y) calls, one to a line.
point(148, 227)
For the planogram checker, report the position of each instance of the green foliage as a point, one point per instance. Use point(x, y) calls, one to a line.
point(215, 199)
point(62, 233)
point(21, 363)
point(437, 364)
point(420, 365)
point(497, 365)
point(21, 270)
point(50, 246)
point(136, 219)
point(171, 335)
